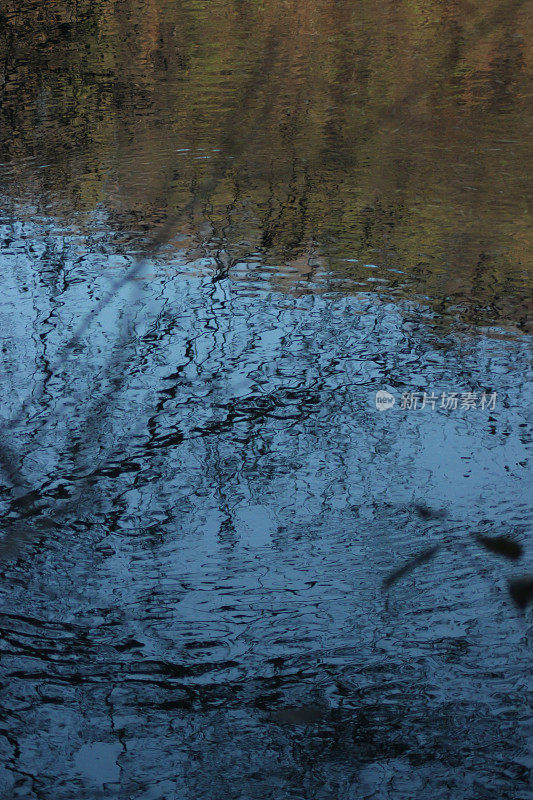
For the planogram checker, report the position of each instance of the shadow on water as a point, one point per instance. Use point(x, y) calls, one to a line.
point(224, 227)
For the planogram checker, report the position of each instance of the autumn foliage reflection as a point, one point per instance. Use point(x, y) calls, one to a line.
point(310, 133)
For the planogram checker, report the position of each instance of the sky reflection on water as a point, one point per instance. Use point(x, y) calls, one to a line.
point(191, 601)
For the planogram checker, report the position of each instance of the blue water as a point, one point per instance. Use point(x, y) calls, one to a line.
point(193, 605)
point(227, 228)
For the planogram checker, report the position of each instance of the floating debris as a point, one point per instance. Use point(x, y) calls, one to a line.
point(422, 557)
point(521, 590)
point(299, 715)
point(501, 545)
point(430, 513)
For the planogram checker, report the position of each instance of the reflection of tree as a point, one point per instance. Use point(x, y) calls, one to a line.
point(396, 135)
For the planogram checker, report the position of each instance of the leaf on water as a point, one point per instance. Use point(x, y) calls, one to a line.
point(422, 557)
point(521, 590)
point(501, 545)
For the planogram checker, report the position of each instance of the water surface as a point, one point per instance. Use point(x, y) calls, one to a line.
point(200, 500)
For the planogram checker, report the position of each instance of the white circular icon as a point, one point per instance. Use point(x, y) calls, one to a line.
point(384, 400)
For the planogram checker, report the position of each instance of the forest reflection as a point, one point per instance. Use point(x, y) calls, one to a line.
point(323, 135)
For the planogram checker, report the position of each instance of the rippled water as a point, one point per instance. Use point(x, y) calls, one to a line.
point(200, 500)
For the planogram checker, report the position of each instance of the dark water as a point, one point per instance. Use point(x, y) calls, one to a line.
point(200, 500)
